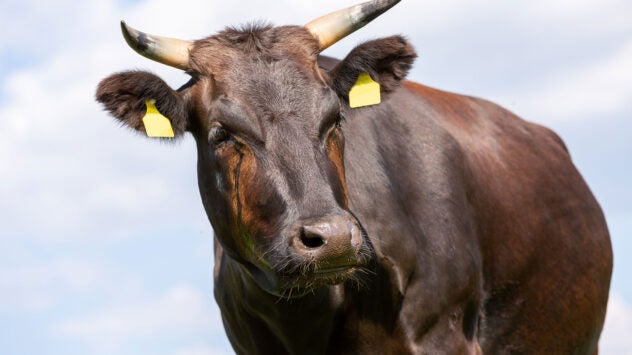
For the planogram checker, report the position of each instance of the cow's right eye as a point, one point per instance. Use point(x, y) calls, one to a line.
point(218, 135)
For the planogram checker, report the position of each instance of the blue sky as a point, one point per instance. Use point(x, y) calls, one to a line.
point(105, 247)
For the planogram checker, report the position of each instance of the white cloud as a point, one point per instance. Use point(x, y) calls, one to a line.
point(616, 338)
point(36, 287)
point(602, 88)
point(38, 26)
point(598, 17)
point(180, 312)
point(61, 154)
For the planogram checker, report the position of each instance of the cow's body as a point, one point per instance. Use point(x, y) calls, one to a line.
point(431, 223)
point(485, 233)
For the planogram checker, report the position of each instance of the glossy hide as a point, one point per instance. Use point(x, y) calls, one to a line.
point(480, 233)
point(487, 240)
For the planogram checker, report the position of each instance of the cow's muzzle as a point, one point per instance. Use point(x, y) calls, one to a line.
point(330, 244)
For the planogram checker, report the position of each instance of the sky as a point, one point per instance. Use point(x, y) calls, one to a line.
point(104, 245)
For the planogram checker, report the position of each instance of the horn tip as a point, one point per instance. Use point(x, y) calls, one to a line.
point(126, 34)
point(135, 39)
point(124, 27)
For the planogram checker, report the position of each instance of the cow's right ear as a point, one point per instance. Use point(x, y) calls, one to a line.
point(125, 95)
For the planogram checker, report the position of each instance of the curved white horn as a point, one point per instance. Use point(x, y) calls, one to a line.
point(335, 26)
point(170, 51)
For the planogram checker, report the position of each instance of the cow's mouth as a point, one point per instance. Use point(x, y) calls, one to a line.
point(321, 275)
point(335, 270)
point(334, 276)
point(298, 285)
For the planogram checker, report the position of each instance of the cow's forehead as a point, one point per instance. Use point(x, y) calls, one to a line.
point(279, 88)
point(265, 72)
point(221, 53)
point(276, 95)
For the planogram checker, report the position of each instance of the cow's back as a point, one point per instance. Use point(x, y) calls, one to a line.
point(470, 198)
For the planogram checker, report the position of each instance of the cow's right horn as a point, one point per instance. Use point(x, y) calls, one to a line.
point(335, 26)
point(169, 51)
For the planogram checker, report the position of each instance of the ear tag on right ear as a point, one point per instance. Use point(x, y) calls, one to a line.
point(365, 92)
point(156, 125)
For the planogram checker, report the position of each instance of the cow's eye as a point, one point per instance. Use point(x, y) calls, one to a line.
point(217, 135)
point(339, 120)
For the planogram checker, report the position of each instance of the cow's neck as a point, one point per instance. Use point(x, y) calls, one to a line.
point(291, 321)
point(330, 318)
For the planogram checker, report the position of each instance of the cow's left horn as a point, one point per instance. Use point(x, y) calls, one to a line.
point(335, 26)
point(169, 51)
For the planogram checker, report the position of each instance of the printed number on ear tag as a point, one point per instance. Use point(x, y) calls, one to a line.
point(156, 125)
point(365, 92)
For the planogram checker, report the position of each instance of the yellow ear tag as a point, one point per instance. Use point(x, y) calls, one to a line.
point(156, 125)
point(365, 92)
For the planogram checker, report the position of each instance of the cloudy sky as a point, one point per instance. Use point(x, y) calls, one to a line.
point(104, 247)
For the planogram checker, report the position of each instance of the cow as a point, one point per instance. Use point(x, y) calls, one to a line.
point(427, 223)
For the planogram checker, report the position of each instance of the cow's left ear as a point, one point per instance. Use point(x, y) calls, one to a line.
point(387, 60)
point(125, 96)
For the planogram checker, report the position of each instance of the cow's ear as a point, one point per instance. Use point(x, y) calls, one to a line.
point(387, 60)
point(125, 96)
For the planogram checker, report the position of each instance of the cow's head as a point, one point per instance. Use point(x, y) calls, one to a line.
point(267, 122)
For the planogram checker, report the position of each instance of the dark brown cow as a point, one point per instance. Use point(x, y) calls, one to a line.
point(431, 223)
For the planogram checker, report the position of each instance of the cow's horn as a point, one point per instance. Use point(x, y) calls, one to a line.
point(335, 26)
point(169, 51)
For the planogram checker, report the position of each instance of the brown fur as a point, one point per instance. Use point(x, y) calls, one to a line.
point(475, 232)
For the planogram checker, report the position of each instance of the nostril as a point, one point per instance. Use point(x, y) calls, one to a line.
point(311, 240)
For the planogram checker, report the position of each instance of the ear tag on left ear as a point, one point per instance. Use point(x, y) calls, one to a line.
point(365, 92)
point(156, 125)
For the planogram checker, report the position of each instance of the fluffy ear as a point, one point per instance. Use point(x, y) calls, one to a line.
point(387, 60)
point(124, 96)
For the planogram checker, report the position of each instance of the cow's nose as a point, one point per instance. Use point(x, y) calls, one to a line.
point(331, 241)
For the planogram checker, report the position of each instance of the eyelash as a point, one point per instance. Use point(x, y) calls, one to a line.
point(341, 118)
point(218, 135)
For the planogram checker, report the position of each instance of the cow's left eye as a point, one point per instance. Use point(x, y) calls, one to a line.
point(217, 135)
